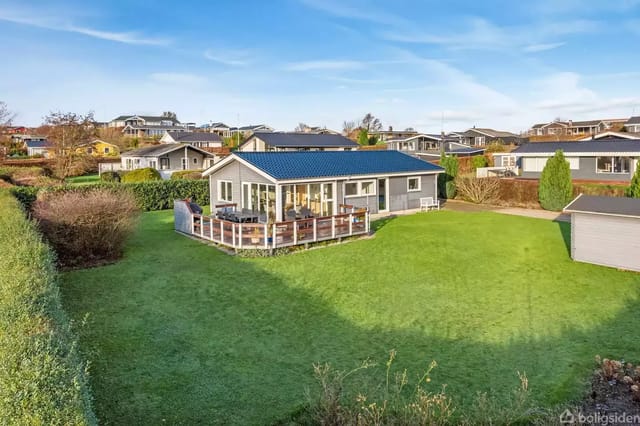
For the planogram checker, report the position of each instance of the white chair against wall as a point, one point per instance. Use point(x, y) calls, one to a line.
point(427, 203)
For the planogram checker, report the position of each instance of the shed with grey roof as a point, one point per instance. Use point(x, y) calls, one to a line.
point(606, 231)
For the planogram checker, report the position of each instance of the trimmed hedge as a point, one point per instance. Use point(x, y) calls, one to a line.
point(42, 378)
point(140, 175)
point(110, 177)
point(154, 195)
point(187, 174)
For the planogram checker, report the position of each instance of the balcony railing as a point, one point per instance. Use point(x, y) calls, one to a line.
point(270, 236)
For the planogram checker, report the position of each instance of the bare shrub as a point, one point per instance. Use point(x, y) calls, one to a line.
point(86, 228)
point(478, 190)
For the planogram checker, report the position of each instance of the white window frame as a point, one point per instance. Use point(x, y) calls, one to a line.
point(228, 191)
point(360, 192)
point(612, 172)
point(419, 188)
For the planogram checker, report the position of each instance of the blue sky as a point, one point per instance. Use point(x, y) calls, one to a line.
point(432, 65)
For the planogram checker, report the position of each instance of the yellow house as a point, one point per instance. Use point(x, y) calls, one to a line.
point(99, 148)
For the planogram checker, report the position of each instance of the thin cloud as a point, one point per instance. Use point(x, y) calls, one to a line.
point(176, 78)
point(119, 37)
point(358, 11)
point(533, 48)
point(323, 65)
point(235, 58)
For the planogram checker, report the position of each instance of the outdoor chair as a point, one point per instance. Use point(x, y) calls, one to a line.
point(427, 203)
point(291, 215)
point(306, 212)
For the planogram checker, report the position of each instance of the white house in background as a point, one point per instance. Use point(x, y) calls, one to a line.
point(149, 125)
point(251, 129)
point(633, 124)
point(613, 135)
point(167, 158)
point(38, 147)
point(218, 128)
point(278, 141)
point(197, 139)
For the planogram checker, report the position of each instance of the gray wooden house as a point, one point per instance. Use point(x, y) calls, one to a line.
point(606, 231)
point(167, 158)
point(274, 183)
point(598, 160)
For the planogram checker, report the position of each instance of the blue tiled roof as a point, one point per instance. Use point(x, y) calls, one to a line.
point(305, 140)
point(605, 145)
point(37, 144)
point(316, 164)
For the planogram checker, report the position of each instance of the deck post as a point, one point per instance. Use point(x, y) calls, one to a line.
point(266, 236)
point(295, 232)
point(350, 223)
point(211, 229)
point(366, 221)
point(274, 236)
point(193, 225)
point(315, 229)
point(222, 231)
point(202, 227)
point(333, 226)
point(240, 235)
point(233, 234)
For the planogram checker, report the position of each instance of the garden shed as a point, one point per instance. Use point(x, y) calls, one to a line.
point(606, 231)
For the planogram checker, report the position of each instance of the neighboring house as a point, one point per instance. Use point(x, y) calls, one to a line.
point(99, 148)
point(570, 127)
point(219, 128)
point(483, 136)
point(599, 160)
point(197, 139)
point(149, 126)
point(387, 135)
point(612, 135)
point(167, 158)
point(632, 125)
point(275, 183)
point(296, 142)
point(606, 231)
point(246, 131)
point(22, 139)
point(39, 147)
point(415, 144)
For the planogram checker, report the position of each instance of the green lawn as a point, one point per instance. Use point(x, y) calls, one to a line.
point(179, 331)
point(83, 180)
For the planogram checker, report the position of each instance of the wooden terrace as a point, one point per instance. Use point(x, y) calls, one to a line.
point(246, 233)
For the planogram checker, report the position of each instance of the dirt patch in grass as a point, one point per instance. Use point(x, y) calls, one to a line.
point(615, 389)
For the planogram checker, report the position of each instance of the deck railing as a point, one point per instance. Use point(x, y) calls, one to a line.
point(279, 234)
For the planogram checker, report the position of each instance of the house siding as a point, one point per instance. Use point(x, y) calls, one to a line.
point(399, 198)
point(236, 173)
point(587, 171)
point(606, 240)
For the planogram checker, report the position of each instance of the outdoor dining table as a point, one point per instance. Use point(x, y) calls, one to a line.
point(243, 217)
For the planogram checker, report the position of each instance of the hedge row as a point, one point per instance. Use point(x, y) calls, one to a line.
point(524, 193)
point(155, 195)
point(42, 378)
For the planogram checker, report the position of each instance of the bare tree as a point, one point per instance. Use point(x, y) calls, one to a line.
point(371, 123)
point(67, 132)
point(6, 116)
point(171, 115)
point(348, 127)
point(301, 127)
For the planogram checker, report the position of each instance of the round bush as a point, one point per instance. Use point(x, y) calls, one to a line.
point(110, 177)
point(141, 175)
point(86, 228)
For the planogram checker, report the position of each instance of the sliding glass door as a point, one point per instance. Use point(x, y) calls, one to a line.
point(259, 197)
point(317, 197)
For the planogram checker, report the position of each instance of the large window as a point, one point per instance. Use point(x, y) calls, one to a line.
point(360, 188)
point(612, 165)
point(532, 164)
point(317, 197)
point(259, 197)
point(165, 164)
point(225, 191)
point(413, 184)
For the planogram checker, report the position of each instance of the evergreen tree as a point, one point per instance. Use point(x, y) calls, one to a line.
point(634, 188)
point(363, 137)
point(555, 189)
point(446, 180)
